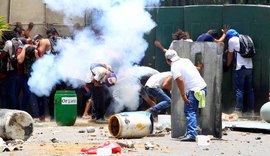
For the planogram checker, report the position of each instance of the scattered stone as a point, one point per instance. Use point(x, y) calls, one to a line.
point(258, 138)
point(159, 127)
point(42, 144)
point(90, 129)
point(168, 129)
point(148, 146)
point(11, 145)
point(54, 140)
point(126, 144)
point(15, 142)
point(156, 135)
point(81, 131)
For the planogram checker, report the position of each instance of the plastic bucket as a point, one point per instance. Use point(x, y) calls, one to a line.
point(203, 140)
point(164, 120)
point(65, 107)
point(131, 124)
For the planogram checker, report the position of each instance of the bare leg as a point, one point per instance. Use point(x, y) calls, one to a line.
point(87, 109)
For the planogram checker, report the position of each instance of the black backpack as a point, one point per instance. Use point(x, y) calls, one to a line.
point(29, 60)
point(16, 43)
point(247, 49)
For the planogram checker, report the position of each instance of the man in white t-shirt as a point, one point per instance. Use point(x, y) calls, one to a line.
point(243, 72)
point(154, 88)
point(189, 81)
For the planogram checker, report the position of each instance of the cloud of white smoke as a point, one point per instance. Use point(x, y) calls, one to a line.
point(122, 23)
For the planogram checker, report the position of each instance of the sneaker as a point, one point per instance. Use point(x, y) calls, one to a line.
point(152, 112)
point(181, 137)
point(42, 119)
point(238, 113)
point(86, 116)
point(250, 115)
point(101, 121)
point(187, 139)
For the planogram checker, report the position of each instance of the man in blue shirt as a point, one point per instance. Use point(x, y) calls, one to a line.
point(211, 36)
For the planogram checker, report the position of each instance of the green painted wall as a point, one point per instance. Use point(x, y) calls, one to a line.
point(168, 21)
point(246, 19)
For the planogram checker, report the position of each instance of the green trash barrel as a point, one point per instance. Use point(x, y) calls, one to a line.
point(65, 107)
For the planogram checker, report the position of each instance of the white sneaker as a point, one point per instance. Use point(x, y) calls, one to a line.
point(238, 113)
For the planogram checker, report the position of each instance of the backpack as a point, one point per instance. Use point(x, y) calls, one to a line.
point(247, 49)
point(16, 43)
point(29, 60)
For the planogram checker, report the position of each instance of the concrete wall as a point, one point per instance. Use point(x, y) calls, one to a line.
point(210, 54)
point(35, 11)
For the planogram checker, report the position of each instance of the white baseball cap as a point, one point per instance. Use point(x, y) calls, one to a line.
point(171, 55)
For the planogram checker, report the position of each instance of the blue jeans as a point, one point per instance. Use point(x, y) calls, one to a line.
point(23, 86)
point(243, 80)
point(38, 105)
point(3, 92)
point(12, 87)
point(163, 100)
point(191, 114)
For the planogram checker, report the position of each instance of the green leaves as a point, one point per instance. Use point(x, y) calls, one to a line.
point(3, 25)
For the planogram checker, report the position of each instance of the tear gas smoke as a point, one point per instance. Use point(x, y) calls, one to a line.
point(121, 24)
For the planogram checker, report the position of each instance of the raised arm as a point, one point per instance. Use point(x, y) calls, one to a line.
point(224, 30)
point(159, 45)
point(21, 55)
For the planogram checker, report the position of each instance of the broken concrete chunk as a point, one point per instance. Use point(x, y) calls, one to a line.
point(148, 146)
point(90, 129)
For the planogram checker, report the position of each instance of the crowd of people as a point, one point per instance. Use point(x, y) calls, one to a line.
point(155, 93)
point(19, 53)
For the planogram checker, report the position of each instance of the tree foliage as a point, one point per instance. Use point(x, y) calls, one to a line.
point(3, 25)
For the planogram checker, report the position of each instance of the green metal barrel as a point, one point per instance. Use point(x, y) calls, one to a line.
point(65, 107)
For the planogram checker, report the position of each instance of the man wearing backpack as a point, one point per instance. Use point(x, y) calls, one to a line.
point(243, 73)
point(10, 48)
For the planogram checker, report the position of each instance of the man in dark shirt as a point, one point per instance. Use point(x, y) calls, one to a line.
point(211, 36)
